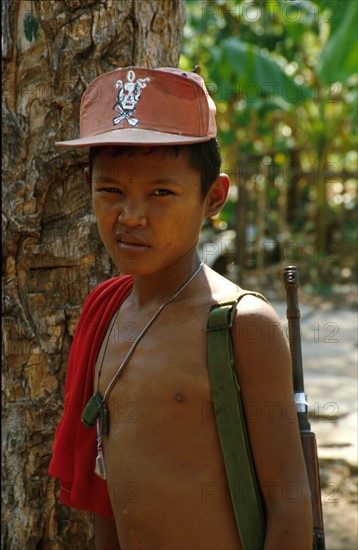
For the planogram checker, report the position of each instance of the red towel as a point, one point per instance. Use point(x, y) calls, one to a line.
point(74, 448)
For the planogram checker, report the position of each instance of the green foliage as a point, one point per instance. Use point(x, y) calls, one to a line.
point(283, 76)
point(249, 70)
point(339, 56)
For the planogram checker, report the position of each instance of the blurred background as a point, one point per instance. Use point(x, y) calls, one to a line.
point(284, 78)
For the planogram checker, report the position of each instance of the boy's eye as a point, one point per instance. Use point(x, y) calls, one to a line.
point(162, 192)
point(109, 189)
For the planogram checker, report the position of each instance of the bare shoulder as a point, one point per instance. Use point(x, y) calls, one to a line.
point(257, 328)
point(261, 349)
point(249, 309)
point(216, 285)
point(257, 313)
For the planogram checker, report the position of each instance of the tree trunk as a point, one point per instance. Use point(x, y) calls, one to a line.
point(53, 255)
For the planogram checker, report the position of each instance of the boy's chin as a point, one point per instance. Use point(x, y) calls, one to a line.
point(128, 268)
point(133, 267)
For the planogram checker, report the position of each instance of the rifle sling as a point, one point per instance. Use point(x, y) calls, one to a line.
point(229, 414)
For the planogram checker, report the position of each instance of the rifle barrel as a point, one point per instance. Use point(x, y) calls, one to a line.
point(290, 277)
point(308, 438)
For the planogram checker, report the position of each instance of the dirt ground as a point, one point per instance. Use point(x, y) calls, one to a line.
point(340, 506)
point(339, 478)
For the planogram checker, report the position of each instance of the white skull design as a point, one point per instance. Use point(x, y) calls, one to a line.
point(128, 97)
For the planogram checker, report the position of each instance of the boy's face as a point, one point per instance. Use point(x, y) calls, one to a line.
point(149, 207)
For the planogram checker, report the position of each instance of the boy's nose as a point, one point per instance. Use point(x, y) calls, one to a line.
point(132, 214)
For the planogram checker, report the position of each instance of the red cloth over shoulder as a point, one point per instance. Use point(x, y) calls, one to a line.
point(74, 448)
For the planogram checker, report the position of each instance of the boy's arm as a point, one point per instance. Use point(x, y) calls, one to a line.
point(105, 534)
point(264, 373)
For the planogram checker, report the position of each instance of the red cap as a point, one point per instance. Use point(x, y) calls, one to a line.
point(139, 106)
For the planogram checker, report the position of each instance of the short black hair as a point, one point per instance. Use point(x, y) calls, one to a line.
point(204, 157)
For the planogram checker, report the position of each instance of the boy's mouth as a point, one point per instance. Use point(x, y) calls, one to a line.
point(130, 241)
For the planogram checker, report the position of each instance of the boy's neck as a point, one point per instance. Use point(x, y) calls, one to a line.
point(156, 289)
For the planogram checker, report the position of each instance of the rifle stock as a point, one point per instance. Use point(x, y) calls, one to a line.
point(308, 438)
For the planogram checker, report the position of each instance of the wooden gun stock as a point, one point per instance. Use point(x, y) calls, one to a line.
point(309, 446)
point(308, 438)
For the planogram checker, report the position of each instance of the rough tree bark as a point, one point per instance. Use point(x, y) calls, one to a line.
point(52, 254)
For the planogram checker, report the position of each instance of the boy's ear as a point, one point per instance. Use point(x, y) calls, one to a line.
point(86, 177)
point(217, 195)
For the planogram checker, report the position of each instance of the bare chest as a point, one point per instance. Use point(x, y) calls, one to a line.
point(166, 370)
point(163, 445)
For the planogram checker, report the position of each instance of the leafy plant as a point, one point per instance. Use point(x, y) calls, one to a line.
point(283, 75)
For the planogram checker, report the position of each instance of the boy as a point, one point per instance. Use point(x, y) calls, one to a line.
point(140, 348)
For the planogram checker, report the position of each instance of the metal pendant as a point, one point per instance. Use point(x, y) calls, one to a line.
point(100, 468)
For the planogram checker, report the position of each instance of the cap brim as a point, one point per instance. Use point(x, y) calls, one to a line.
point(132, 136)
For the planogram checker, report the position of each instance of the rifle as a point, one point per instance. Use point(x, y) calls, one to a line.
point(308, 438)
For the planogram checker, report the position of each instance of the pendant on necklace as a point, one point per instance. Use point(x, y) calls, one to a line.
point(92, 410)
point(100, 468)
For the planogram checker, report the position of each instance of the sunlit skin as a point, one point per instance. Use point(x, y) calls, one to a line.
point(166, 476)
point(149, 211)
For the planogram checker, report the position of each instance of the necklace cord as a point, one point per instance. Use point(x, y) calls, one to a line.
point(105, 347)
point(140, 336)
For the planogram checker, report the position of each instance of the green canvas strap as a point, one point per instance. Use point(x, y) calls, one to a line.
point(229, 414)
